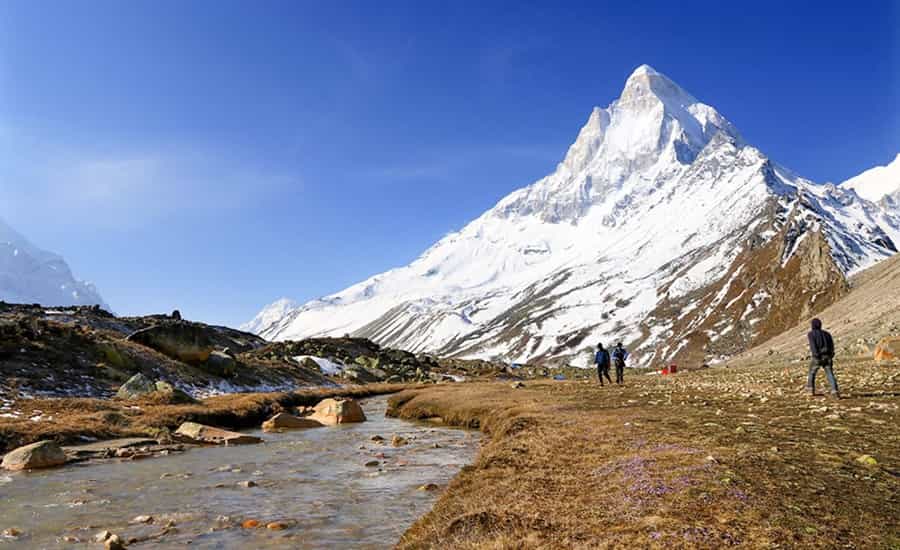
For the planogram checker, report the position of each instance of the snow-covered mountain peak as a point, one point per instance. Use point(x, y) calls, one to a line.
point(29, 274)
point(880, 182)
point(653, 129)
point(269, 314)
point(661, 228)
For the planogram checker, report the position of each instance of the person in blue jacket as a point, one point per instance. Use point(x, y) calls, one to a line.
point(601, 358)
point(619, 355)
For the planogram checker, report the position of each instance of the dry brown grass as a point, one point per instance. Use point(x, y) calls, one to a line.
point(708, 459)
point(66, 419)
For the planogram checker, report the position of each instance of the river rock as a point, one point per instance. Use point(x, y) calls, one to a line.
point(43, 454)
point(398, 441)
point(114, 542)
point(192, 432)
point(338, 411)
point(283, 421)
point(136, 386)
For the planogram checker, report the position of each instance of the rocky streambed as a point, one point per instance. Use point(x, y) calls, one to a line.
point(345, 485)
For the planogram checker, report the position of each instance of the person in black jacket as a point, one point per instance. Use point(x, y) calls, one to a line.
point(602, 360)
point(821, 351)
point(619, 356)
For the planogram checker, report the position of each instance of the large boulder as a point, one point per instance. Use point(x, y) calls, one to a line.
point(338, 411)
point(43, 454)
point(192, 432)
point(139, 386)
point(182, 341)
point(220, 363)
point(172, 394)
point(136, 386)
point(888, 349)
point(287, 421)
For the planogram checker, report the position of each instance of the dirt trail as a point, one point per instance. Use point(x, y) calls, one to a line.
point(709, 459)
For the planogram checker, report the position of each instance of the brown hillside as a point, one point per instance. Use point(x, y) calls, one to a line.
point(869, 312)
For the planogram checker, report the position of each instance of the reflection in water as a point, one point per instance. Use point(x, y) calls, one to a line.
point(314, 481)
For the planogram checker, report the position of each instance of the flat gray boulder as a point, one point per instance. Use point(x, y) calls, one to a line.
point(192, 432)
point(43, 454)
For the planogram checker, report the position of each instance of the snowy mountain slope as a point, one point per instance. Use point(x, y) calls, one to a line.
point(657, 225)
point(877, 183)
point(269, 316)
point(31, 275)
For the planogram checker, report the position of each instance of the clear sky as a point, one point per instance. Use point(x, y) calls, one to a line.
point(213, 156)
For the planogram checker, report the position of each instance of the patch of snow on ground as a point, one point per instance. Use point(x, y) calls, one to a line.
point(327, 366)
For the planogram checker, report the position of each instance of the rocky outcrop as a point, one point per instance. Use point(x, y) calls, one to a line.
point(286, 421)
point(43, 454)
point(185, 342)
point(338, 411)
point(192, 432)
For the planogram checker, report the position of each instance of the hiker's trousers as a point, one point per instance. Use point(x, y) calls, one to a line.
point(603, 370)
point(825, 364)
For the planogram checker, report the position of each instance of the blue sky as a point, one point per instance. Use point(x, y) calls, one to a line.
point(213, 156)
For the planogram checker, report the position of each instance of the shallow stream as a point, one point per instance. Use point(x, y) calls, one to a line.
point(315, 482)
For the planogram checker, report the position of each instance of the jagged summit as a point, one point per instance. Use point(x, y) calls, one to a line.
point(661, 227)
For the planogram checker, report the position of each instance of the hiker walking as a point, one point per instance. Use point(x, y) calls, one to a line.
point(821, 351)
point(619, 355)
point(601, 358)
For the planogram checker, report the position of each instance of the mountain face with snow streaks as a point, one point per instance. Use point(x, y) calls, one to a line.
point(661, 228)
point(30, 275)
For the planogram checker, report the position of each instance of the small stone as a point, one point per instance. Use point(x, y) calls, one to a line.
point(276, 526)
point(114, 542)
point(377, 438)
point(102, 536)
point(11, 532)
point(250, 524)
point(868, 460)
point(142, 519)
point(398, 441)
point(372, 463)
point(70, 539)
point(428, 487)
point(247, 484)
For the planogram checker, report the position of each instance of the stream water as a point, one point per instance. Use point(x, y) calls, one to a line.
point(314, 481)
